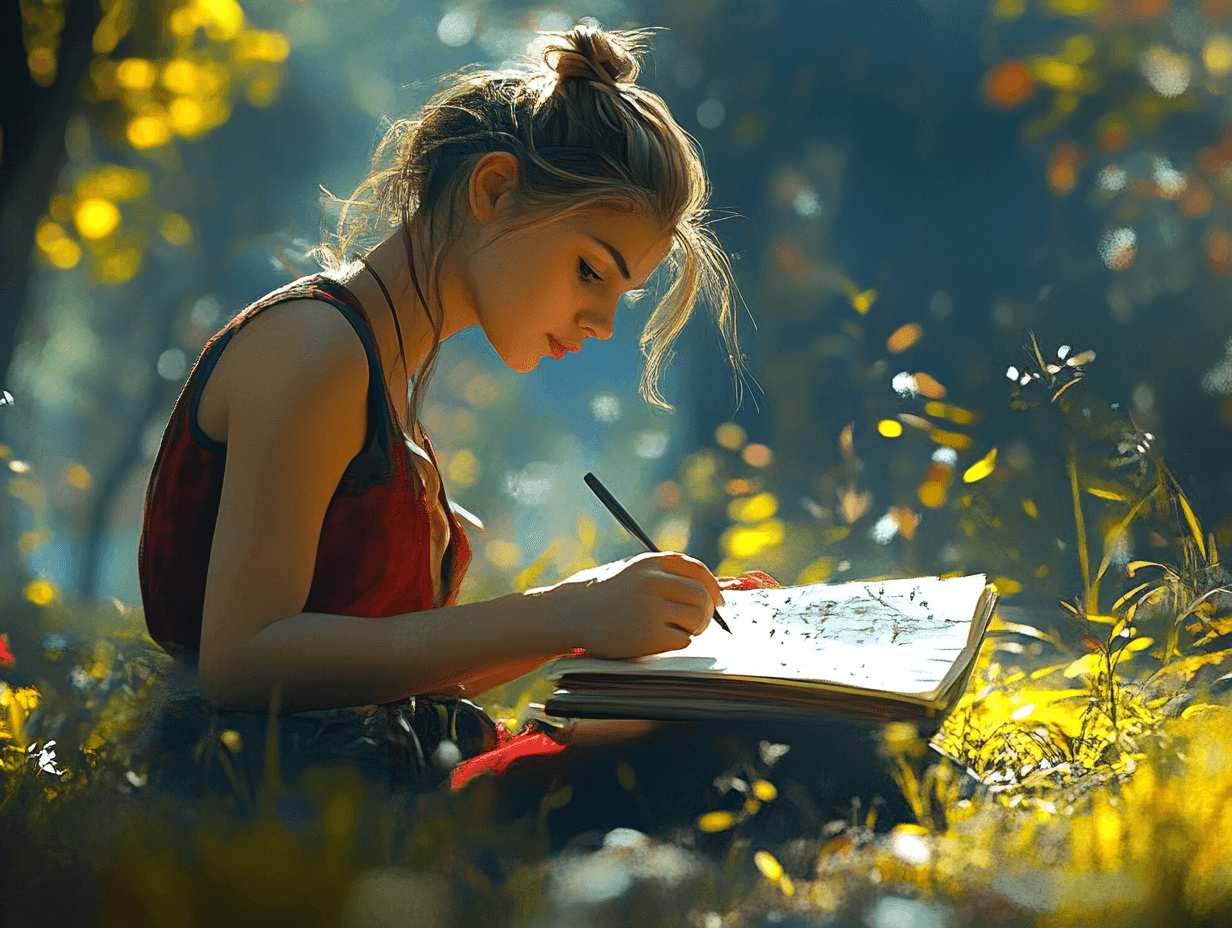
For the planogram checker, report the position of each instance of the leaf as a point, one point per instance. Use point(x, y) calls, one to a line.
point(1121, 602)
point(769, 867)
point(1139, 644)
point(1133, 567)
point(1190, 518)
point(716, 821)
point(1217, 628)
point(1092, 644)
point(6, 656)
point(1087, 664)
point(1029, 630)
point(1184, 670)
point(981, 468)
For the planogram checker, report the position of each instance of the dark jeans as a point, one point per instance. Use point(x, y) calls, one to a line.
point(190, 749)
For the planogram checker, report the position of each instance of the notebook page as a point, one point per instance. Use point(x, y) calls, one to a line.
point(898, 636)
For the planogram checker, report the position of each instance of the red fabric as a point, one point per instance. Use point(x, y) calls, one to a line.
point(527, 743)
point(374, 555)
point(751, 580)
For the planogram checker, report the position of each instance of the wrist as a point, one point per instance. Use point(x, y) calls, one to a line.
point(552, 618)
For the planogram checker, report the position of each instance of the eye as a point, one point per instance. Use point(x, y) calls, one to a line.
point(585, 269)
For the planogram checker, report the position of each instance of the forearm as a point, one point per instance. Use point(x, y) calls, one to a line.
point(473, 686)
point(324, 661)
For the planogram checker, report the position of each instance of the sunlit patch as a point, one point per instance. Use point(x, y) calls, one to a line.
point(457, 27)
point(40, 592)
point(502, 554)
point(746, 541)
point(464, 468)
point(929, 386)
point(1168, 180)
point(955, 440)
point(1009, 84)
point(753, 509)
point(807, 204)
point(147, 131)
point(1217, 244)
point(76, 475)
point(666, 495)
point(904, 384)
point(1063, 166)
point(1117, 248)
point(1217, 55)
point(673, 534)
point(916, 422)
point(605, 407)
point(884, 529)
point(651, 445)
point(57, 247)
point(1168, 72)
point(1112, 133)
point(1111, 178)
point(757, 455)
point(904, 337)
point(950, 411)
point(863, 302)
point(531, 486)
point(136, 74)
point(731, 436)
point(96, 218)
point(981, 468)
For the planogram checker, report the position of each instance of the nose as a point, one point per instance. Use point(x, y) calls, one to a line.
point(597, 323)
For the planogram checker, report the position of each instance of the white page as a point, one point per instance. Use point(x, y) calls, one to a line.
point(898, 636)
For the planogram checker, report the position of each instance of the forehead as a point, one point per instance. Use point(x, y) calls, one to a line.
point(640, 239)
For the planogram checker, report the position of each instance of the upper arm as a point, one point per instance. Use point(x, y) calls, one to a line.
point(296, 415)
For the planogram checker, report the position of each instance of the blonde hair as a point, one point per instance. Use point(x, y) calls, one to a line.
point(585, 135)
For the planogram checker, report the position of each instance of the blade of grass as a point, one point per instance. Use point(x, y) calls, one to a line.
point(1072, 465)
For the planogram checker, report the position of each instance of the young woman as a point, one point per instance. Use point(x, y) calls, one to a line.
point(298, 549)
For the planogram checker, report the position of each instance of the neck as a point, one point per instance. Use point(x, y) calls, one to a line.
point(389, 259)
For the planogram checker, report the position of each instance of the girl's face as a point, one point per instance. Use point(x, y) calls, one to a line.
point(542, 292)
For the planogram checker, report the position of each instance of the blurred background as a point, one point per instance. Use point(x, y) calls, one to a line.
point(913, 194)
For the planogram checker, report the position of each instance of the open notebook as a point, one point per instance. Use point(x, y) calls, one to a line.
point(874, 650)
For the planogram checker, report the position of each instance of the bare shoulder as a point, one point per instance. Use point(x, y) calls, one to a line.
point(297, 341)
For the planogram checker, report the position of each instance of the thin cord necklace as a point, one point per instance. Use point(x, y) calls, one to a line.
point(397, 328)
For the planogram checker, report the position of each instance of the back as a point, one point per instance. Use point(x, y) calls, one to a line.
point(373, 558)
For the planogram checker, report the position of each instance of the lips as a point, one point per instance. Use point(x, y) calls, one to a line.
point(558, 350)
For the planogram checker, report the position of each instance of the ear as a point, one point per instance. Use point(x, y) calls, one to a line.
point(493, 182)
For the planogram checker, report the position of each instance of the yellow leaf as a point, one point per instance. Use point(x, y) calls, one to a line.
point(716, 821)
point(765, 790)
point(1139, 644)
point(1088, 663)
point(1191, 519)
point(981, 468)
point(768, 865)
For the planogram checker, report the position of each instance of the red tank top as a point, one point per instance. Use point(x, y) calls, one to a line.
point(374, 555)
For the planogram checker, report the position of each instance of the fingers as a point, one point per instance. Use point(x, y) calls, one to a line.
point(693, 569)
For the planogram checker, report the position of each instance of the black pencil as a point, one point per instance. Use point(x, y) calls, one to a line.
point(631, 526)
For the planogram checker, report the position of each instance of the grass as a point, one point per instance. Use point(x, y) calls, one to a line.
point(1084, 778)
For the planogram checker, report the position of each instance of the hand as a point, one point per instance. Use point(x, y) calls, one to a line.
point(651, 602)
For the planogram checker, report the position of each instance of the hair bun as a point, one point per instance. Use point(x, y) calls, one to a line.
point(589, 53)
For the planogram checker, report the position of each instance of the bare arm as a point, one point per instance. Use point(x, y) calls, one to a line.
point(292, 428)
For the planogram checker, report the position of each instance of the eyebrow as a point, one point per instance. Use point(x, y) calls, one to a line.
point(616, 255)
